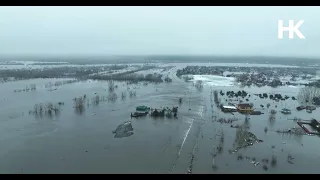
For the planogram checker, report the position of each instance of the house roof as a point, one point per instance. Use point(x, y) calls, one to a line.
point(311, 107)
point(244, 105)
point(141, 108)
point(229, 107)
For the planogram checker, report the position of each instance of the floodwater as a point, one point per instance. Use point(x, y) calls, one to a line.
point(84, 143)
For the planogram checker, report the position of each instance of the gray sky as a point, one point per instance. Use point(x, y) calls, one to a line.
point(157, 30)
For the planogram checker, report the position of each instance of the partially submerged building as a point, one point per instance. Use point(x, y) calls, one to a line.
point(245, 108)
point(285, 111)
point(142, 109)
point(299, 108)
point(228, 109)
point(312, 108)
point(315, 124)
point(256, 113)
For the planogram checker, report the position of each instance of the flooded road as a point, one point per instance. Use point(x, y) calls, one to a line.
point(84, 143)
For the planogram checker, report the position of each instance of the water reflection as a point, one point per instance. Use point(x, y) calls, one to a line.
point(272, 117)
point(79, 111)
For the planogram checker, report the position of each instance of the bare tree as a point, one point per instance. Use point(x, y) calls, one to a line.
point(48, 109)
point(306, 95)
point(33, 87)
point(167, 79)
point(96, 100)
point(41, 108)
point(132, 93)
point(199, 84)
point(272, 117)
point(242, 77)
point(111, 86)
point(273, 161)
point(88, 103)
point(79, 104)
point(112, 97)
point(123, 95)
point(215, 97)
point(56, 109)
point(35, 108)
point(240, 136)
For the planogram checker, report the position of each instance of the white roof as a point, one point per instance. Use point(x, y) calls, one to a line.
point(229, 107)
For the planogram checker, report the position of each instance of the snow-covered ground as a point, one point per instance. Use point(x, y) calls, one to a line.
point(213, 80)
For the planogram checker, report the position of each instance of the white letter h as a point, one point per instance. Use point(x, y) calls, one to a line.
point(291, 28)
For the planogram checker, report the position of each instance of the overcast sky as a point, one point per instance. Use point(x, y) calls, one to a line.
point(157, 30)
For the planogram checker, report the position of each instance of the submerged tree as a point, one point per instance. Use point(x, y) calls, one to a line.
point(132, 93)
point(167, 79)
point(123, 95)
point(307, 95)
point(79, 104)
point(199, 84)
point(48, 109)
point(272, 117)
point(111, 86)
point(274, 161)
point(96, 100)
point(112, 97)
point(187, 78)
point(215, 97)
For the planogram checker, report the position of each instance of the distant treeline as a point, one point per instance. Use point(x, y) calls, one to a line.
point(298, 61)
point(49, 63)
point(10, 63)
point(130, 77)
point(143, 68)
point(166, 58)
point(315, 84)
point(268, 71)
point(57, 72)
point(83, 73)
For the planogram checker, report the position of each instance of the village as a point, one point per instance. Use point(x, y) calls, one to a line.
point(181, 114)
point(311, 127)
point(258, 76)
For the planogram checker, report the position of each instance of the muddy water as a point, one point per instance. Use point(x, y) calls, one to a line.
point(73, 143)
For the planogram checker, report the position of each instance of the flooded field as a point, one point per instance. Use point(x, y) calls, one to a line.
point(194, 142)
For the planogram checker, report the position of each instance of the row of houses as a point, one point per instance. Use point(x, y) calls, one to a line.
point(248, 108)
point(242, 108)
